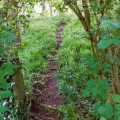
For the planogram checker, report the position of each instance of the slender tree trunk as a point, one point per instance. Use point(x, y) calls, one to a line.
point(18, 89)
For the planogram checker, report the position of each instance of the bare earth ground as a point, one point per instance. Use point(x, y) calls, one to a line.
point(45, 103)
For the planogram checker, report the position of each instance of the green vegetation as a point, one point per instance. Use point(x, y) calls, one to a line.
point(38, 45)
point(89, 57)
point(73, 74)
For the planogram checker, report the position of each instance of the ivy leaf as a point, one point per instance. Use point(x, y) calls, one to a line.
point(3, 109)
point(116, 98)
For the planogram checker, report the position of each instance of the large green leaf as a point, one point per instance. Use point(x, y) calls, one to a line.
point(110, 24)
point(3, 109)
point(96, 88)
point(2, 74)
point(9, 68)
point(4, 84)
point(106, 110)
point(102, 110)
point(117, 107)
point(107, 40)
point(117, 115)
point(109, 110)
point(5, 94)
point(116, 98)
point(102, 118)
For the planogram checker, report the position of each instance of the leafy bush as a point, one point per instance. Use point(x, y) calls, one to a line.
point(73, 73)
point(7, 107)
point(5, 91)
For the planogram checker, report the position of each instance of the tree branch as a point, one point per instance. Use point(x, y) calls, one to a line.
point(78, 13)
point(86, 12)
point(103, 10)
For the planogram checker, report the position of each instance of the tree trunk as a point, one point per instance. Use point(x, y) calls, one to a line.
point(18, 89)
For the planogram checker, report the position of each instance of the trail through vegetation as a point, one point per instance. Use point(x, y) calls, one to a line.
point(45, 106)
point(45, 78)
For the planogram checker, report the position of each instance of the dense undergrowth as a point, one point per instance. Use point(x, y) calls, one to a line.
point(73, 73)
point(87, 98)
point(38, 45)
point(89, 75)
point(77, 67)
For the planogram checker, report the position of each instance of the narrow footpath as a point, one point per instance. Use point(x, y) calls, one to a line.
point(45, 104)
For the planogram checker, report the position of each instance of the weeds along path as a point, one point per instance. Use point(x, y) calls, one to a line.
point(45, 105)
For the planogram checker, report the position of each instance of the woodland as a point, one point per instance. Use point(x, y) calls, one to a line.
point(59, 59)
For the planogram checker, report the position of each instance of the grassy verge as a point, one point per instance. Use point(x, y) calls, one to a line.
point(38, 45)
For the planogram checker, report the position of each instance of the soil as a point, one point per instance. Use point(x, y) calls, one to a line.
point(46, 100)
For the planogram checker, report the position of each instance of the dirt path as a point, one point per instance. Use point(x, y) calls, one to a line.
point(46, 102)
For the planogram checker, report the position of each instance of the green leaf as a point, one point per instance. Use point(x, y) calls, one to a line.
point(4, 85)
point(85, 93)
point(105, 24)
point(116, 98)
point(2, 74)
point(117, 107)
point(1, 118)
point(110, 24)
point(9, 68)
point(102, 118)
point(107, 40)
point(106, 110)
point(5, 94)
point(101, 110)
point(109, 110)
point(117, 115)
point(106, 65)
point(3, 109)
point(96, 88)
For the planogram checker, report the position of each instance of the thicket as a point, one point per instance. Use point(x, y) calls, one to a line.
point(101, 24)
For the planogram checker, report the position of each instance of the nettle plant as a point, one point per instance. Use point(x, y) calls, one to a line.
point(101, 21)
